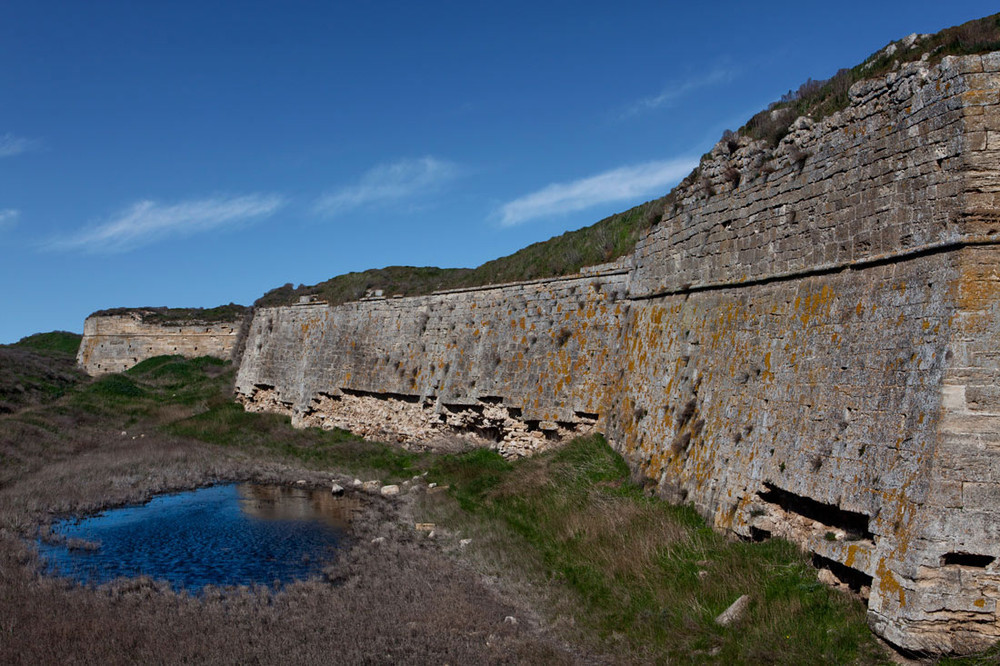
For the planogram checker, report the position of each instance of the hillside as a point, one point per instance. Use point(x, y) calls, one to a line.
point(607, 240)
point(37, 369)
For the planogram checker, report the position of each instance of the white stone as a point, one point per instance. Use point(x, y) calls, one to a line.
point(735, 611)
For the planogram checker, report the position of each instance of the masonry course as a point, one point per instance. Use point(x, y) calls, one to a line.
point(807, 345)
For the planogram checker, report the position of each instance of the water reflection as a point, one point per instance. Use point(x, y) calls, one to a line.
point(291, 503)
point(235, 534)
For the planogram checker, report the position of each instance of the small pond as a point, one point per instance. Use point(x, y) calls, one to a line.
point(233, 534)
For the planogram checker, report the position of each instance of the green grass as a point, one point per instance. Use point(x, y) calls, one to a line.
point(819, 99)
point(633, 563)
point(228, 425)
point(156, 386)
point(605, 241)
point(229, 313)
point(990, 657)
point(192, 398)
point(59, 342)
point(38, 369)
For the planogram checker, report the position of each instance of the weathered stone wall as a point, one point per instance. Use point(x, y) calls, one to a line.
point(516, 366)
point(896, 172)
point(813, 348)
point(807, 346)
point(114, 343)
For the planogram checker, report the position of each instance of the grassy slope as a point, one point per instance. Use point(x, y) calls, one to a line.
point(819, 99)
point(37, 369)
point(607, 240)
point(648, 577)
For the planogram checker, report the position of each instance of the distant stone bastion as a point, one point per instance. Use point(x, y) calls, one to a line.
point(116, 340)
point(806, 345)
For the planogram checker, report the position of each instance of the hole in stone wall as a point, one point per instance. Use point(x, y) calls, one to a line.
point(966, 560)
point(853, 523)
point(488, 433)
point(405, 397)
point(854, 579)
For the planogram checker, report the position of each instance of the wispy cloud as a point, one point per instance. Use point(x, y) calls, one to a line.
point(11, 145)
point(387, 183)
point(8, 217)
point(622, 184)
point(675, 92)
point(146, 222)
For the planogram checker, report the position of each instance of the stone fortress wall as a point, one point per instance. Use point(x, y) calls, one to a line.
point(115, 343)
point(813, 348)
point(516, 367)
point(807, 345)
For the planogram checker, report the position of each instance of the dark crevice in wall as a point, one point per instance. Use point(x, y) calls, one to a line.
point(849, 576)
point(853, 523)
point(405, 397)
point(967, 560)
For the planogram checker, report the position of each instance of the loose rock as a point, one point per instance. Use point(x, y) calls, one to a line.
point(735, 612)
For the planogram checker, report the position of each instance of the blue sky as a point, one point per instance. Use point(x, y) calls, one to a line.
point(196, 153)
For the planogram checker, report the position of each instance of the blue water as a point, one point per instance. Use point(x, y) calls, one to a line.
point(235, 534)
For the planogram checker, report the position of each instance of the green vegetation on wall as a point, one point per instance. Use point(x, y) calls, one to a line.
point(819, 99)
point(179, 316)
point(607, 240)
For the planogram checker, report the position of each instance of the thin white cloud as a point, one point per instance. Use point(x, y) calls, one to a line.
point(622, 184)
point(146, 222)
point(673, 93)
point(8, 217)
point(11, 145)
point(387, 183)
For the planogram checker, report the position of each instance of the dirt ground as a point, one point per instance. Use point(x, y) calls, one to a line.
point(395, 595)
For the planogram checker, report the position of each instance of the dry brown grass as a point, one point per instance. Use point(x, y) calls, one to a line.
point(400, 600)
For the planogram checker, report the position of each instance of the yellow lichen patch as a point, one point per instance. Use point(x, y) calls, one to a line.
point(979, 97)
point(888, 584)
point(767, 375)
